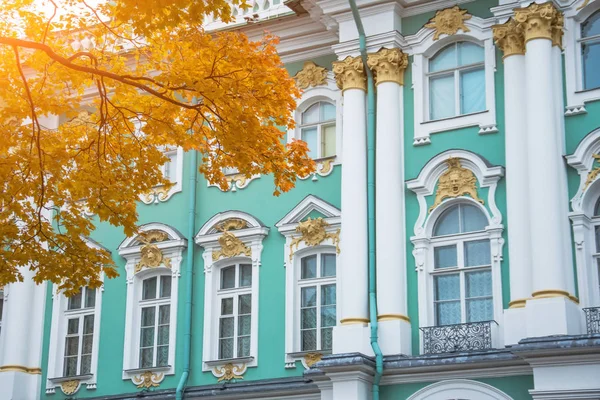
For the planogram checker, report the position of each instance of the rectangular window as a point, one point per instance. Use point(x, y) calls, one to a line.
point(155, 322)
point(79, 338)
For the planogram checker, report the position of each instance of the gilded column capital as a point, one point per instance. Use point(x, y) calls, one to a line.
point(537, 20)
point(388, 65)
point(558, 29)
point(509, 37)
point(350, 73)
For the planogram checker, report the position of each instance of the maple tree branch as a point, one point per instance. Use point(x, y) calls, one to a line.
point(49, 21)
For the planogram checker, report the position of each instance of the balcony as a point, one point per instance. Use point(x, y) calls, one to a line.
point(471, 336)
point(592, 320)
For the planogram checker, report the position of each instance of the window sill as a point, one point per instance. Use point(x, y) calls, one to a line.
point(81, 378)
point(240, 360)
point(456, 117)
point(151, 369)
point(301, 354)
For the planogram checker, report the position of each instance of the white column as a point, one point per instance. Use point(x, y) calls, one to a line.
point(352, 334)
point(388, 66)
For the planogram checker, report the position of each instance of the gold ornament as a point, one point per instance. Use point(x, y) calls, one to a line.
point(592, 174)
point(325, 166)
point(158, 193)
point(229, 372)
point(311, 359)
point(350, 73)
point(585, 3)
point(456, 181)
point(388, 65)
point(558, 28)
point(69, 387)
point(448, 22)
point(147, 379)
point(311, 75)
point(231, 246)
point(152, 257)
point(537, 20)
point(314, 233)
point(153, 236)
point(231, 224)
point(510, 38)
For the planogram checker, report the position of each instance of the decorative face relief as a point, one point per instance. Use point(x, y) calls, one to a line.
point(448, 22)
point(231, 246)
point(314, 233)
point(152, 257)
point(456, 181)
point(311, 75)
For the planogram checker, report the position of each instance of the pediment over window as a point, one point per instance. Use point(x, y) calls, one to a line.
point(311, 207)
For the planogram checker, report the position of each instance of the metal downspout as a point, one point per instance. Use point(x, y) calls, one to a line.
point(189, 275)
point(370, 200)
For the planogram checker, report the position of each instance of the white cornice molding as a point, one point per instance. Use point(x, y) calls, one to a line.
point(433, 374)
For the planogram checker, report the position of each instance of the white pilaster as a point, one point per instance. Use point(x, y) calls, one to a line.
point(351, 385)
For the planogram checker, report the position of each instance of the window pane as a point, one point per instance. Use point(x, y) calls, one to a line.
point(447, 287)
point(228, 277)
point(591, 65)
point(472, 91)
point(227, 306)
point(73, 326)
point(149, 288)
point(164, 314)
point(148, 316)
point(308, 297)
point(163, 335)
point(328, 141)
point(309, 340)
point(245, 304)
point(245, 275)
point(88, 324)
point(86, 364)
point(163, 356)
point(327, 295)
point(308, 318)
point(447, 224)
point(75, 301)
point(328, 317)
point(328, 265)
point(477, 253)
point(441, 97)
point(90, 298)
point(445, 256)
point(445, 59)
point(70, 366)
point(147, 337)
point(165, 286)
point(311, 115)
point(147, 357)
point(472, 218)
point(478, 284)
point(225, 348)
point(469, 53)
point(480, 310)
point(447, 313)
point(243, 346)
point(170, 168)
point(308, 267)
point(327, 111)
point(244, 325)
point(226, 327)
point(71, 346)
point(326, 338)
point(86, 344)
point(309, 135)
point(591, 27)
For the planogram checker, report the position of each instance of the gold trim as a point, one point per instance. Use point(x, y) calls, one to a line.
point(313, 234)
point(311, 75)
point(388, 65)
point(20, 368)
point(537, 20)
point(519, 303)
point(148, 380)
point(392, 317)
point(69, 387)
point(350, 74)
point(231, 246)
point(448, 21)
point(350, 321)
point(509, 38)
point(542, 294)
point(574, 299)
point(229, 372)
point(312, 358)
point(455, 182)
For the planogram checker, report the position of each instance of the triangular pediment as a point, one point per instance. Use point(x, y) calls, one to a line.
point(310, 207)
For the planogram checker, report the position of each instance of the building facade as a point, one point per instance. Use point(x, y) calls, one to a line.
point(487, 228)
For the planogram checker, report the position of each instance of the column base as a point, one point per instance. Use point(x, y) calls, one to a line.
point(553, 316)
point(395, 337)
point(19, 385)
point(353, 385)
point(514, 325)
point(352, 338)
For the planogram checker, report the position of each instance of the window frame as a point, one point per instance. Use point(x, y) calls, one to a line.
point(319, 125)
point(156, 303)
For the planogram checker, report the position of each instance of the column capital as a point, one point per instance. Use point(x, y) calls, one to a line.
point(388, 65)
point(538, 21)
point(350, 73)
point(510, 38)
point(558, 29)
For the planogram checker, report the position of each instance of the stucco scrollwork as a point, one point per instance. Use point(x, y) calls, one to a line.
point(350, 73)
point(593, 173)
point(456, 181)
point(229, 372)
point(231, 224)
point(148, 379)
point(311, 75)
point(448, 21)
point(388, 65)
point(538, 21)
point(69, 387)
point(152, 257)
point(231, 246)
point(311, 359)
point(313, 233)
point(510, 38)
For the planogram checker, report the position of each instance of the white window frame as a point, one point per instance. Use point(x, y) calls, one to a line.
point(424, 187)
point(423, 47)
point(459, 389)
point(287, 227)
point(319, 125)
point(577, 96)
point(208, 238)
point(130, 249)
point(328, 93)
point(158, 195)
point(155, 303)
point(583, 220)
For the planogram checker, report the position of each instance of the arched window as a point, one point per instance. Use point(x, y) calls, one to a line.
point(317, 301)
point(590, 51)
point(317, 129)
point(462, 276)
point(456, 81)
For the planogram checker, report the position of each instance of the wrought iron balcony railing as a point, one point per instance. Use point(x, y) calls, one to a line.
point(456, 338)
point(592, 319)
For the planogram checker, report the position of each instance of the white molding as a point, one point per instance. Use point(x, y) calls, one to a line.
point(457, 373)
point(207, 238)
point(583, 162)
point(459, 389)
point(309, 204)
point(130, 249)
point(422, 47)
point(156, 196)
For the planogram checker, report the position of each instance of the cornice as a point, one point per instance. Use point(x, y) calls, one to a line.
point(388, 40)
